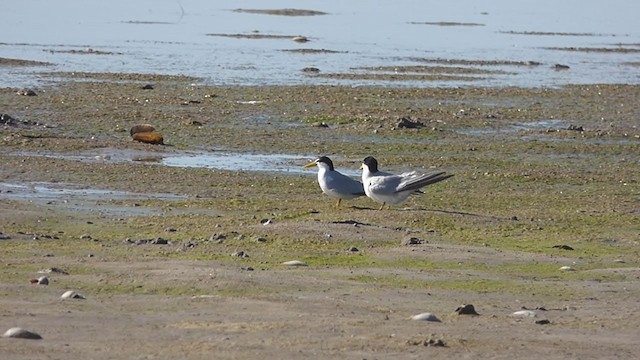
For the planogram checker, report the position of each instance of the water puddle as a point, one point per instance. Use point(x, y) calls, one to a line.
point(76, 197)
point(549, 124)
point(80, 198)
point(275, 163)
point(239, 162)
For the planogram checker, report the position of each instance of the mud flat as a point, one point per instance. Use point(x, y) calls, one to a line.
point(183, 261)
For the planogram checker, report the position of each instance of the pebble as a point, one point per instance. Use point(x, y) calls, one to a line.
point(524, 313)
point(26, 92)
point(149, 138)
point(294, 263)
point(71, 295)
point(426, 317)
point(20, 333)
point(467, 309)
point(567, 268)
point(300, 39)
point(217, 237)
point(320, 124)
point(412, 241)
point(53, 270)
point(141, 128)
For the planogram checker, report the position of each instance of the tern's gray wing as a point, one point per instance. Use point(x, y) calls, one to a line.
point(415, 182)
point(384, 184)
point(344, 184)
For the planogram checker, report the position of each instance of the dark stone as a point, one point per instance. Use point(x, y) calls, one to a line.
point(563, 247)
point(467, 309)
point(412, 241)
point(407, 123)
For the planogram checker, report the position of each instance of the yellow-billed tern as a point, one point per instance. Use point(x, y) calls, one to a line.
point(393, 189)
point(334, 183)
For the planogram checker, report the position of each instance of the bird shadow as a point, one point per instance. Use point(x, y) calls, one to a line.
point(440, 211)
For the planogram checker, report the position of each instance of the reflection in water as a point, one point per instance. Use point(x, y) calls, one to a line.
point(238, 162)
point(282, 163)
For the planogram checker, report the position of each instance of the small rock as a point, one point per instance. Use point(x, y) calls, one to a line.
point(524, 313)
point(261, 239)
point(320, 124)
point(567, 268)
point(575, 128)
point(300, 39)
point(170, 229)
point(85, 237)
point(160, 241)
point(467, 309)
point(353, 249)
point(43, 280)
point(311, 70)
point(147, 87)
point(26, 92)
point(563, 247)
point(430, 341)
point(187, 246)
point(141, 128)
point(193, 123)
point(294, 263)
point(560, 67)
point(217, 238)
point(543, 322)
point(407, 123)
point(153, 138)
point(53, 270)
point(425, 317)
point(241, 254)
point(412, 241)
point(266, 221)
point(6, 119)
point(434, 342)
point(20, 333)
point(72, 295)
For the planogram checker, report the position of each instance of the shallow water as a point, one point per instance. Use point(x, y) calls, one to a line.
point(170, 37)
point(81, 198)
point(276, 163)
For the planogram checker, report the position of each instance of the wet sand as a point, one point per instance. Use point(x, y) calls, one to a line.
point(544, 178)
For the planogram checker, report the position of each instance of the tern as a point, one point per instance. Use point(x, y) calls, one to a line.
point(392, 189)
point(335, 184)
